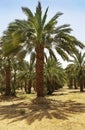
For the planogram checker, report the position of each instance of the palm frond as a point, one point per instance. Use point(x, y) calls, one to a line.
point(50, 25)
point(21, 55)
point(52, 55)
point(62, 53)
point(28, 12)
point(44, 17)
point(32, 57)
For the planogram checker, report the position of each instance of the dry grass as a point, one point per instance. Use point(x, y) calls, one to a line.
point(64, 110)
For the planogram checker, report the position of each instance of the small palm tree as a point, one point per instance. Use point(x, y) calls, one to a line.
point(36, 34)
point(78, 69)
point(71, 76)
point(27, 75)
point(79, 62)
point(54, 75)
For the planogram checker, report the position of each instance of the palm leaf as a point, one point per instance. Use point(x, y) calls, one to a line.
point(44, 17)
point(27, 12)
point(62, 53)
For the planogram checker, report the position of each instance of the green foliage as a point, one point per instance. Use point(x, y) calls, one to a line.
point(76, 69)
point(54, 75)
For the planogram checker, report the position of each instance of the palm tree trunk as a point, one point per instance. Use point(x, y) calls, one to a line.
point(8, 75)
point(14, 77)
point(84, 84)
point(70, 83)
point(81, 86)
point(29, 86)
point(39, 71)
point(25, 86)
point(75, 84)
point(14, 85)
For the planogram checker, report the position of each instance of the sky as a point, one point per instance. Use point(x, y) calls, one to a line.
point(73, 13)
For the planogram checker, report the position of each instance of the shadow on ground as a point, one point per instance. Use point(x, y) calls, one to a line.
point(37, 110)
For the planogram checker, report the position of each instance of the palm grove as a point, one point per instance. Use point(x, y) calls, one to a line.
point(37, 36)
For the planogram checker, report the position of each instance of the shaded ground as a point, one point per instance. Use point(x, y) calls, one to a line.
point(64, 110)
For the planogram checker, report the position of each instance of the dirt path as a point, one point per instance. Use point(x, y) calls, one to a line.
point(64, 110)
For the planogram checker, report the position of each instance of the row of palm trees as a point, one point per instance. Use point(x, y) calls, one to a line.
point(21, 74)
point(35, 36)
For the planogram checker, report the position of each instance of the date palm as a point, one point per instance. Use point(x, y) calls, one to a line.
point(54, 75)
point(2, 71)
point(27, 75)
point(36, 34)
point(5, 70)
point(79, 64)
point(71, 76)
point(77, 68)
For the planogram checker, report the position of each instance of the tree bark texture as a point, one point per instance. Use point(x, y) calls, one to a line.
point(8, 76)
point(39, 71)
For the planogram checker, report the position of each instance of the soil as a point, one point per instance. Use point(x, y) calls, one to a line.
point(64, 110)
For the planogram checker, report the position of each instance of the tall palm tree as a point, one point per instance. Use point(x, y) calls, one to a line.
point(2, 71)
point(5, 63)
point(8, 76)
point(36, 34)
point(9, 57)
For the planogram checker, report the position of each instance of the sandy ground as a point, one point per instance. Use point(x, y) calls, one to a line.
point(64, 110)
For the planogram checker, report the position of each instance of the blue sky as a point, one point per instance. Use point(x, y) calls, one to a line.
point(74, 13)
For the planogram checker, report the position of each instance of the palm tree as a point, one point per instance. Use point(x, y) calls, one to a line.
point(8, 76)
point(15, 67)
point(11, 61)
point(54, 75)
point(5, 63)
point(71, 76)
point(78, 69)
point(36, 34)
point(79, 62)
point(2, 71)
point(27, 75)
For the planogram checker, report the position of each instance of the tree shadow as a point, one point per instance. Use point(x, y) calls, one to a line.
point(55, 109)
point(8, 98)
point(58, 94)
point(61, 93)
point(37, 110)
point(76, 91)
